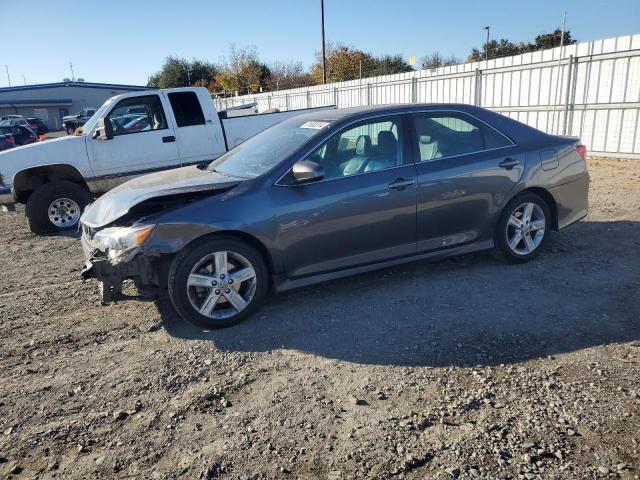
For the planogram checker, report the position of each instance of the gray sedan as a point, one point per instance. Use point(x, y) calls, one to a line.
point(330, 194)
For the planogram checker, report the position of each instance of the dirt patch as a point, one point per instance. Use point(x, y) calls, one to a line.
point(466, 368)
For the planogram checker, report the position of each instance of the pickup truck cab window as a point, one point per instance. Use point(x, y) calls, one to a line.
point(369, 146)
point(186, 108)
point(124, 122)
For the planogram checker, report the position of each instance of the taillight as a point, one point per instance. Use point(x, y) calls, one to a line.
point(582, 151)
point(9, 140)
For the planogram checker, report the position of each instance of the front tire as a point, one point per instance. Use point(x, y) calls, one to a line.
point(217, 282)
point(523, 228)
point(56, 206)
point(70, 130)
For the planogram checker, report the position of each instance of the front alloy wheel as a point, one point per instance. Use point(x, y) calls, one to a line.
point(217, 282)
point(221, 285)
point(522, 229)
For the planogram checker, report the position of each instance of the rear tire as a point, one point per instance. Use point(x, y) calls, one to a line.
point(66, 198)
point(523, 228)
point(218, 282)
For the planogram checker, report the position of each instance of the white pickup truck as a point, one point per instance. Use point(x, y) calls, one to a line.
point(129, 135)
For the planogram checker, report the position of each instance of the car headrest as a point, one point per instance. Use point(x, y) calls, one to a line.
point(425, 139)
point(363, 145)
point(387, 142)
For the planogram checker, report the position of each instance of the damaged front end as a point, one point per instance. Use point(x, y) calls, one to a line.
point(118, 227)
point(113, 256)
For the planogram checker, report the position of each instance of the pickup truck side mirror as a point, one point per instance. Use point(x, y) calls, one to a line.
point(307, 171)
point(104, 129)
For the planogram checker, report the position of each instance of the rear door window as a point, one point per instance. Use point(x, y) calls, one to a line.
point(448, 135)
point(186, 108)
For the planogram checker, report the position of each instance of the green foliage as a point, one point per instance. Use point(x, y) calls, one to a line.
point(343, 63)
point(391, 64)
point(550, 40)
point(504, 48)
point(435, 60)
point(348, 63)
point(243, 72)
point(288, 75)
point(178, 72)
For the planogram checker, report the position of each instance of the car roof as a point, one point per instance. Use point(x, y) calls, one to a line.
point(520, 133)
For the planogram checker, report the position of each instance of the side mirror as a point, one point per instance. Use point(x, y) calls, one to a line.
point(104, 129)
point(307, 171)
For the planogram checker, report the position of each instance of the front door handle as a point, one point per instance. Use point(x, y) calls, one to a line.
point(509, 163)
point(400, 183)
point(168, 139)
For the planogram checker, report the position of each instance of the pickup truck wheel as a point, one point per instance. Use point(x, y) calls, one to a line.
point(70, 130)
point(217, 282)
point(56, 206)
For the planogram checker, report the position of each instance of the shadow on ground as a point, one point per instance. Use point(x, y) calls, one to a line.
point(584, 290)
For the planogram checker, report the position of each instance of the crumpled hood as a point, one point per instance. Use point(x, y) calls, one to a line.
point(117, 202)
point(69, 150)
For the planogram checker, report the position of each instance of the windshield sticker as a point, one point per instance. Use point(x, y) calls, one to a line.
point(315, 125)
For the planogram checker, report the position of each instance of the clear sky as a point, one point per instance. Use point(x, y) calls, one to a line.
point(120, 41)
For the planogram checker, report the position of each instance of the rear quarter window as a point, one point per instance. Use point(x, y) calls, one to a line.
point(186, 108)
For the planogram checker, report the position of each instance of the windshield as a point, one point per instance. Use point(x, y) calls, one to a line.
point(267, 149)
point(89, 124)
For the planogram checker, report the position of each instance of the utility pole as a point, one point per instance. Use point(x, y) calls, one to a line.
point(188, 75)
point(324, 53)
point(24, 79)
point(486, 45)
point(8, 77)
point(73, 78)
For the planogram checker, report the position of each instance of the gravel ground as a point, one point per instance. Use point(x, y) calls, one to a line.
point(466, 368)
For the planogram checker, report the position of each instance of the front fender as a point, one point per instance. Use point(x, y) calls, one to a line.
point(71, 151)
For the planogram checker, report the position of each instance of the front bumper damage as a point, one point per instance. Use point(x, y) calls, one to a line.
point(143, 270)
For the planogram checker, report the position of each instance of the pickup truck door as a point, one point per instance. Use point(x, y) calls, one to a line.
point(141, 143)
point(198, 130)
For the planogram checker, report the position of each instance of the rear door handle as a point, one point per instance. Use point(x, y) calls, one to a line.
point(509, 163)
point(400, 183)
point(168, 139)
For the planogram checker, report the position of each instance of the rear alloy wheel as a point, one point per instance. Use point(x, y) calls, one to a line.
point(522, 228)
point(218, 282)
point(56, 206)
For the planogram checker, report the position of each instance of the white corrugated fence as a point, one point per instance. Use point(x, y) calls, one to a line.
point(590, 90)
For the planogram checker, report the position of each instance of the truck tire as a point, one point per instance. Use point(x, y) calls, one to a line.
point(70, 130)
point(56, 206)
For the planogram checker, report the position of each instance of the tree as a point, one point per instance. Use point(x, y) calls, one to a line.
point(288, 75)
point(390, 64)
point(504, 48)
point(242, 72)
point(435, 60)
point(550, 40)
point(343, 63)
point(178, 72)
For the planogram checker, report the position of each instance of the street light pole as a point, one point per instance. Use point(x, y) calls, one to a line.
point(486, 45)
point(324, 54)
point(8, 77)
